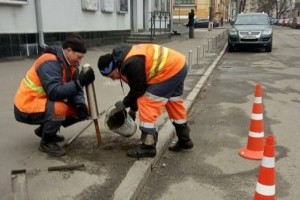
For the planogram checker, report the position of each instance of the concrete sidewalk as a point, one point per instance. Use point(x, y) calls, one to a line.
point(107, 172)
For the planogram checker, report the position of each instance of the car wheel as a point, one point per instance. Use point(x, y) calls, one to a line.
point(268, 48)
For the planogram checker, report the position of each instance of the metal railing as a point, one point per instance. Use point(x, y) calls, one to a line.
point(160, 22)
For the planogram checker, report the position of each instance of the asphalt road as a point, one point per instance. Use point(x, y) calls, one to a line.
point(213, 169)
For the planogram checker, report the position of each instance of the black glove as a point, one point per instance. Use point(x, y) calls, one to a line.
point(82, 111)
point(132, 114)
point(87, 77)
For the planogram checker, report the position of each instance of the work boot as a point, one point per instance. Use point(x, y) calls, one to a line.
point(146, 149)
point(55, 138)
point(51, 148)
point(184, 141)
point(141, 151)
point(180, 145)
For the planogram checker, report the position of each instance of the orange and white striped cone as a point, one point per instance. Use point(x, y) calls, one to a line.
point(265, 187)
point(255, 144)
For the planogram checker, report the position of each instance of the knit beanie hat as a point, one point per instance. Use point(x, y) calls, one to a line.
point(106, 64)
point(75, 42)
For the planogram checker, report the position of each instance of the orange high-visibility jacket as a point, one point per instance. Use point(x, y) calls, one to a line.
point(161, 63)
point(31, 96)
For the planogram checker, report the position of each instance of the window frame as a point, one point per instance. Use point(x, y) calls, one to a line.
point(14, 2)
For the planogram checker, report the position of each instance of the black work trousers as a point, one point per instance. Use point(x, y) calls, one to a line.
point(50, 126)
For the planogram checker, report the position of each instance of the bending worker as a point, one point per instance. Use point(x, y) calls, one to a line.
point(51, 95)
point(155, 75)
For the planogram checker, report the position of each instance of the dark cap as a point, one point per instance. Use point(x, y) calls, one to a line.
point(106, 64)
point(75, 42)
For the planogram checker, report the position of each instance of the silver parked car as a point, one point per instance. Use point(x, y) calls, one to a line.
point(251, 29)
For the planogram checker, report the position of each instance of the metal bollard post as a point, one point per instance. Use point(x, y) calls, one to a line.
point(216, 41)
point(208, 46)
point(190, 59)
point(198, 54)
point(92, 103)
point(19, 184)
point(203, 50)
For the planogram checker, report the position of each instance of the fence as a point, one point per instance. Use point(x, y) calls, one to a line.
point(160, 22)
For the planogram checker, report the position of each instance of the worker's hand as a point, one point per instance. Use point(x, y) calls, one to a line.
point(132, 114)
point(87, 77)
point(82, 111)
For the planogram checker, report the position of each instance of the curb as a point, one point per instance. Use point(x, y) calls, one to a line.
point(141, 169)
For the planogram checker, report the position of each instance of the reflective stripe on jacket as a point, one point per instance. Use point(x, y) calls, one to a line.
point(161, 63)
point(31, 96)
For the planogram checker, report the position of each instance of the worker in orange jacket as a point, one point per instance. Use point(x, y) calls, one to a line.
point(51, 95)
point(155, 75)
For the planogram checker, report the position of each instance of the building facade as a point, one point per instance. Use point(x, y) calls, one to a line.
point(251, 6)
point(296, 11)
point(27, 26)
point(219, 8)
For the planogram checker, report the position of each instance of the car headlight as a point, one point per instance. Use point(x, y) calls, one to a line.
point(267, 32)
point(232, 32)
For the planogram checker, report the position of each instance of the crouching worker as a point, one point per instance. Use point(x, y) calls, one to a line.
point(155, 75)
point(51, 95)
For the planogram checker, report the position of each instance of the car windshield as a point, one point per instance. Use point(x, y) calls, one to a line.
point(252, 20)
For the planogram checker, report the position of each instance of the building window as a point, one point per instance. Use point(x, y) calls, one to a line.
point(184, 1)
point(14, 2)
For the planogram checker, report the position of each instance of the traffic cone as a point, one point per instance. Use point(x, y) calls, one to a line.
point(265, 187)
point(255, 144)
